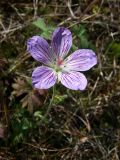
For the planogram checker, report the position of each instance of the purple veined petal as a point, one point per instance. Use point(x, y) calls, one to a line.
point(73, 80)
point(81, 60)
point(43, 77)
point(39, 49)
point(61, 42)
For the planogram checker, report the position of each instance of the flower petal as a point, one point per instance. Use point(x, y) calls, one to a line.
point(61, 42)
point(73, 80)
point(81, 60)
point(43, 77)
point(39, 49)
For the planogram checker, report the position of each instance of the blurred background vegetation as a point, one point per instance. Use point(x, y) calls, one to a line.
point(81, 125)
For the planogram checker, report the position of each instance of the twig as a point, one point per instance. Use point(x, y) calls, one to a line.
point(35, 5)
point(16, 10)
point(70, 9)
point(47, 149)
point(94, 87)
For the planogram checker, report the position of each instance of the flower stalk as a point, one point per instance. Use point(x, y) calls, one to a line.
point(50, 105)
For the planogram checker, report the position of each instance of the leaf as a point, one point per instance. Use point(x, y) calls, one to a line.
point(26, 124)
point(74, 48)
point(82, 36)
point(46, 35)
point(40, 24)
point(38, 115)
point(115, 47)
point(46, 29)
point(84, 42)
point(60, 98)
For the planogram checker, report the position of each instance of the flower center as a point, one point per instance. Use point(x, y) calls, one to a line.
point(59, 62)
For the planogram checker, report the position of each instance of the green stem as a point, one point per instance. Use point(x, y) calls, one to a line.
point(49, 106)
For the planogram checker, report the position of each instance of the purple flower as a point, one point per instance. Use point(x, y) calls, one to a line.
point(58, 67)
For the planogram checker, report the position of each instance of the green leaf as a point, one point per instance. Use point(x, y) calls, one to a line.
point(74, 48)
point(82, 36)
point(46, 35)
point(60, 98)
point(115, 47)
point(40, 24)
point(38, 115)
point(26, 124)
point(84, 42)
